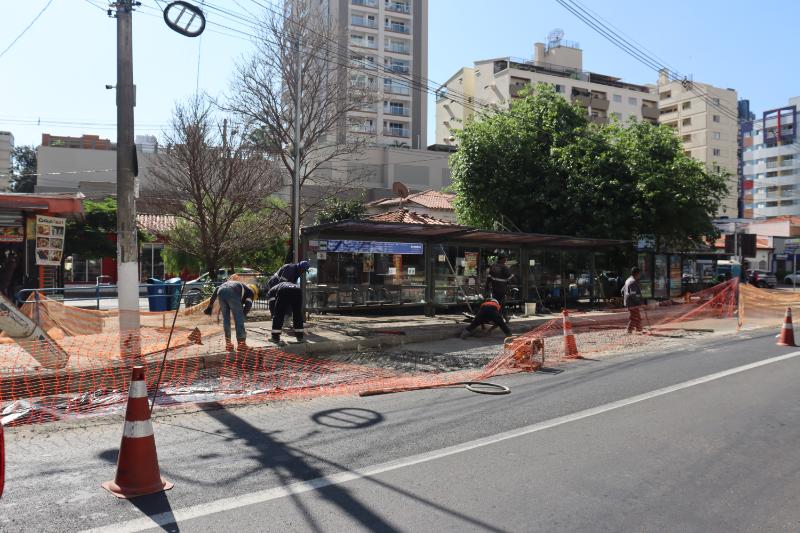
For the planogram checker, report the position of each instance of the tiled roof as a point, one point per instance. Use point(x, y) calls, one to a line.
point(430, 199)
point(762, 243)
point(404, 216)
point(155, 224)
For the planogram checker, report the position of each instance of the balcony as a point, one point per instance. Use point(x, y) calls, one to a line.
point(396, 111)
point(362, 85)
point(651, 113)
point(397, 48)
point(365, 3)
point(398, 28)
point(398, 7)
point(599, 119)
point(600, 103)
point(364, 22)
point(403, 69)
point(363, 128)
point(397, 132)
point(396, 88)
point(583, 99)
point(363, 43)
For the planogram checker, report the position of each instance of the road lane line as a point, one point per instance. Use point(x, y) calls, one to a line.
point(262, 496)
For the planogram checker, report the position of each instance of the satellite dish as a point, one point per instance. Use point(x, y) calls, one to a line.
point(555, 35)
point(400, 189)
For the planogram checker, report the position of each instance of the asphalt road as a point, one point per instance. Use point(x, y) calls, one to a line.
point(685, 441)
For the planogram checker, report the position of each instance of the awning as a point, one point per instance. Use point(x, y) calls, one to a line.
point(459, 234)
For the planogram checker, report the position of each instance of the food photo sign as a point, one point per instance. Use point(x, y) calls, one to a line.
point(49, 240)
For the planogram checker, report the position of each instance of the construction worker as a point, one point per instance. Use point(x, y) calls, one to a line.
point(290, 272)
point(488, 313)
point(632, 299)
point(237, 298)
point(497, 280)
point(286, 297)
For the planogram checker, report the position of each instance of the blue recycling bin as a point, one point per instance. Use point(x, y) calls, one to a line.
point(156, 295)
point(173, 293)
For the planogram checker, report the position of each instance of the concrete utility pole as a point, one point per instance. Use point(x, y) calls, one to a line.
point(127, 246)
point(298, 70)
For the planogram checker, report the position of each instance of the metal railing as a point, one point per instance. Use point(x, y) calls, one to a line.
point(366, 3)
point(364, 22)
point(398, 7)
point(91, 293)
point(397, 132)
point(397, 111)
point(399, 28)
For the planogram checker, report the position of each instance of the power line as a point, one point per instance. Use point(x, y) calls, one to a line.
point(18, 37)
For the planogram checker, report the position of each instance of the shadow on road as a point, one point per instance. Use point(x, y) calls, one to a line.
point(347, 418)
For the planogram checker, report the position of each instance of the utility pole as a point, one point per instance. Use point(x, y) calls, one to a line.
point(127, 246)
point(298, 72)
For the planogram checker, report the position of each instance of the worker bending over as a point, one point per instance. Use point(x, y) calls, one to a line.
point(237, 298)
point(497, 280)
point(488, 313)
point(285, 298)
point(290, 272)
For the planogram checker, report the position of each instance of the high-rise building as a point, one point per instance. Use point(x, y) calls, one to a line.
point(706, 120)
point(771, 159)
point(6, 147)
point(498, 81)
point(387, 42)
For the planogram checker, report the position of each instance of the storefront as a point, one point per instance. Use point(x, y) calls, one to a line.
point(32, 232)
point(433, 265)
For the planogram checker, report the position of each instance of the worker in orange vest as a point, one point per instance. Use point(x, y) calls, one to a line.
point(488, 313)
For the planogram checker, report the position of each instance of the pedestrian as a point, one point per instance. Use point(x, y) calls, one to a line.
point(237, 298)
point(488, 313)
point(284, 298)
point(7, 274)
point(497, 280)
point(632, 299)
point(290, 272)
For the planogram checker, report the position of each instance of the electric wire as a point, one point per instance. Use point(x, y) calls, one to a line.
point(18, 37)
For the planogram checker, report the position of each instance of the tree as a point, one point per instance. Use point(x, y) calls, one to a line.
point(542, 166)
point(336, 209)
point(219, 186)
point(91, 236)
point(264, 95)
point(23, 169)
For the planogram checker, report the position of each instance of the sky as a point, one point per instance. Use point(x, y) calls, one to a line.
point(53, 78)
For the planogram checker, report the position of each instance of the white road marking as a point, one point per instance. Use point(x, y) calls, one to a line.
point(236, 502)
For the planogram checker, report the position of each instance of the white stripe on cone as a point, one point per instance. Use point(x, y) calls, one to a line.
point(138, 390)
point(138, 429)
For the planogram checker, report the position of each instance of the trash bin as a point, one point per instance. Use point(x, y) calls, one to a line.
point(173, 291)
point(156, 295)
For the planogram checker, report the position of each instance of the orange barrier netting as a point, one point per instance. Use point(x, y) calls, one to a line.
point(95, 379)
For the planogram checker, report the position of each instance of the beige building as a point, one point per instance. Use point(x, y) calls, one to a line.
point(6, 147)
point(387, 42)
point(704, 118)
point(496, 82)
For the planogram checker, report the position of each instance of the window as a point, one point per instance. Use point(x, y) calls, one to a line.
point(687, 138)
point(717, 168)
point(686, 122)
point(618, 98)
point(686, 105)
point(617, 116)
point(716, 101)
point(716, 136)
point(716, 118)
point(717, 151)
point(560, 88)
point(632, 100)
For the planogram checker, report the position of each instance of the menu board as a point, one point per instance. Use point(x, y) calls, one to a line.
point(49, 240)
point(470, 263)
point(12, 234)
point(371, 247)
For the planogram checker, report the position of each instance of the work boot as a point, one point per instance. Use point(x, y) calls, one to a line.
point(228, 345)
point(299, 336)
point(275, 339)
point(242, 346)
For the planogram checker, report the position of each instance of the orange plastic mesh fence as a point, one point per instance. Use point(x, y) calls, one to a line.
point(95, 378)
point(762, 307)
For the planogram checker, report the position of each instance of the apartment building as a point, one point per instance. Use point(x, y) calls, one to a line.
point(388, 45)
point(706, 119)
point(558, 63)
point(6, 147)
point(771, 163)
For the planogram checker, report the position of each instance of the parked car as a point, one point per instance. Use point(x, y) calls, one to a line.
point(791, 279)
point(762, 279)
point(193, 292)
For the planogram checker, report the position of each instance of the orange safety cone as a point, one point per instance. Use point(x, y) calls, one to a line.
point(787, 330)
point(137, 465)
point(570, 347)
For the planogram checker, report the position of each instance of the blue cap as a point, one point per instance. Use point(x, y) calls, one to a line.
point(304, 264)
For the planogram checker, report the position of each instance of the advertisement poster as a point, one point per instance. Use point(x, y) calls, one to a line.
point(12, 234)
point(470, 263)
point(49, 240)
point(368, 263)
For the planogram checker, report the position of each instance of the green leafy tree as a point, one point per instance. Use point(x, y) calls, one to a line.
point(336, 209)
point(92, 234)
point(543, 167)
point(23, 169)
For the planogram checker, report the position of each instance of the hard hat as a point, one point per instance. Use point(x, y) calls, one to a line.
point(253, 287)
